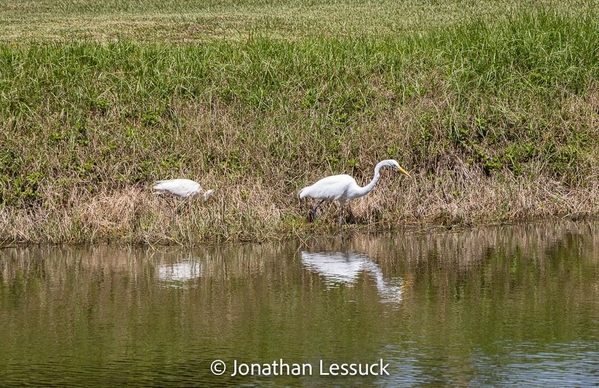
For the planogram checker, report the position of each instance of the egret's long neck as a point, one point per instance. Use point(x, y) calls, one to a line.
point(366, 189)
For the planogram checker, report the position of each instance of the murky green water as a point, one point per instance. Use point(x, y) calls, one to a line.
point(502, 306)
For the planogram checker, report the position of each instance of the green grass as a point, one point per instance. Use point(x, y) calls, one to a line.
point(491, 106)
point(177, 20)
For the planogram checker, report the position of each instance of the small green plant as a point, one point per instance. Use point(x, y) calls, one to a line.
point(150, 119)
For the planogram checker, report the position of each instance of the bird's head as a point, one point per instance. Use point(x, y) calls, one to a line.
point(208, 194)
point(397, 167)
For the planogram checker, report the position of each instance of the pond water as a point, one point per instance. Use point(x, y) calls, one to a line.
point(497, 306)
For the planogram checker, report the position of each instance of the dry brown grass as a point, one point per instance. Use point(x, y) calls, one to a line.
point(239, 213)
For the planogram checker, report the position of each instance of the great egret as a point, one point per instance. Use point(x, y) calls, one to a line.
point(183, 188)
point(343, 188)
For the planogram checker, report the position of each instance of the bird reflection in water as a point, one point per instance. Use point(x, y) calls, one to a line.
point(345, 268)
point(180, 272)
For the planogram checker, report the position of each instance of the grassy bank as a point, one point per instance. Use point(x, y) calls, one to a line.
point(493, 109)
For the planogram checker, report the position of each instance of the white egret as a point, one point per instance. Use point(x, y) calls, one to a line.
point(183, 188)
point(343, 188)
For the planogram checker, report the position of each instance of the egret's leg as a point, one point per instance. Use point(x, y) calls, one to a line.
point(312, 214)
point(341, 214)
point(317, 206)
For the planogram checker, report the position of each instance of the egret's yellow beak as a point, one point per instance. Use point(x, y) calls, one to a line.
point(400, 169)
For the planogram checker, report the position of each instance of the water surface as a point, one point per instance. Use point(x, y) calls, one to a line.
point(498, 306)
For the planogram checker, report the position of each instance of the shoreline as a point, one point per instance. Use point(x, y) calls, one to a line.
point(350, 233)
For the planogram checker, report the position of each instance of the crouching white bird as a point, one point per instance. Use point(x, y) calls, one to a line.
point(183, 188)
point(343, 188)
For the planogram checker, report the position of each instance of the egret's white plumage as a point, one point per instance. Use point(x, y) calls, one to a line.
point(184, 188)
point(343, 188)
